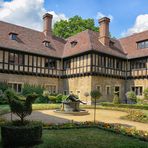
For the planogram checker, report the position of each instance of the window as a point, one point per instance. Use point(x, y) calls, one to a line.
point(50, 63)
point(118, 64)
point(73, 43)
point(13, 36)
point(67, 64)
point(65, 92)
point(142, 44)
point(16, 86)
point(117, 90)
point(138, 64)
point(16, 59)
point(137, 89)
point(107, 90)
point(51, 88)
point(98, 87)
point(47, 44)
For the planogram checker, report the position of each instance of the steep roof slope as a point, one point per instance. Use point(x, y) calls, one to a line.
point(88, 40)
point(129, 45)
point(29, 40)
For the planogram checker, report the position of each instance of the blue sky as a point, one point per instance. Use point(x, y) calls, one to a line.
point(124, 12)
point(129, 16)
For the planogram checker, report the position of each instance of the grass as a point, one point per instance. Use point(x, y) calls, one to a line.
point(88, 138)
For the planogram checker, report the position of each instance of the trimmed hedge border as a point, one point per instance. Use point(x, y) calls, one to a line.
point(133, 106)
point(115, 128)
point(28, 135)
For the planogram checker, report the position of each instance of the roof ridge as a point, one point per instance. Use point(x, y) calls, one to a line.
point(21, 26)
point(134, 34)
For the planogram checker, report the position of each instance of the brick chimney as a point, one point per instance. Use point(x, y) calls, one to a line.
point(104, 31)
point(47, 24)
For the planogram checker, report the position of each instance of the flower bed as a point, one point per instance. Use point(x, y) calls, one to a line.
point(137, 116)
point(116, 128)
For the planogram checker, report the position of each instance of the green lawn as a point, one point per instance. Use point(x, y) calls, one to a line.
point(88, 138)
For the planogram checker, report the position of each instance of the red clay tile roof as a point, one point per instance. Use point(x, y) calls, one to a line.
point(32, 41)
point(29, 40)
point(129, 45)
point(88, 40)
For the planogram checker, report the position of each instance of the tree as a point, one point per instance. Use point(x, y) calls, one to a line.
point(67, 28)
point(21, 108)
point(95, 94)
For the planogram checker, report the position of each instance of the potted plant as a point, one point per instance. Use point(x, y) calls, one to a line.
point(20, 132)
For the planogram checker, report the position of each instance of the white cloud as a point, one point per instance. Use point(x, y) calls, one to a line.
point(27, 13)
point(100, 15)
point(141, 24)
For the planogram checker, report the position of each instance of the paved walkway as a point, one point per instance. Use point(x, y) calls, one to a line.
point(108, 116)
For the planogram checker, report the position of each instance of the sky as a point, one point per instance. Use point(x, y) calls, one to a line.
point(127, 16)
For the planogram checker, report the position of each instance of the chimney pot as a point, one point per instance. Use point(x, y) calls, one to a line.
point(104, 31)
point(47, 24)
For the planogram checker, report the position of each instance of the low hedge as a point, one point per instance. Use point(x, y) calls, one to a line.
point(113, 127)
point(27, 135)
point(134, 106)
point(45, 106)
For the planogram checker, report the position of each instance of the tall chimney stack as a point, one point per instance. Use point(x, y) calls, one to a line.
point(47, 24)
point(104, 31)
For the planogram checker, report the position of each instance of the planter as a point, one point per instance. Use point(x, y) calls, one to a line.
point(13, 136)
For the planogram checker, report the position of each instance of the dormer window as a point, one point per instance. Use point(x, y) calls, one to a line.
point(13, 36)
point(73, 43)
point(142, 44)
point(47, 44)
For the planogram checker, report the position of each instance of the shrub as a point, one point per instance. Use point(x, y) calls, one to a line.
point(42, 99)
point(145, 93)
point(116, 99)
point(14, 135)
point(20, 107)
point(3, 87)
point(132, 96)
point(52, 99)
point(59, 98)
point(135, 106)
point(30, 89)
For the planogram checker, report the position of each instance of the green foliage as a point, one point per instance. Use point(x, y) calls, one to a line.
point(59, 98)
point(95, 94)
point(145, 93)
point(132, 96)
point(45, 106)
point(30, 89)
point(134, 106)
point(3, 87)
point(21, 108)
point(67, 28)
point(116, 99)
point(52, 99)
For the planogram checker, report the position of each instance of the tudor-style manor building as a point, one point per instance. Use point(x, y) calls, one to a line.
point(79, 64)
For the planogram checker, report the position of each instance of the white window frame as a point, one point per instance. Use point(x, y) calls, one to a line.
point(51, 85)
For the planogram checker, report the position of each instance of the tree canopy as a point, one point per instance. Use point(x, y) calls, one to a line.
point(67, 28)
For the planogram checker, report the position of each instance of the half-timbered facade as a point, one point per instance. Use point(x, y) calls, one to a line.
point(86, 61)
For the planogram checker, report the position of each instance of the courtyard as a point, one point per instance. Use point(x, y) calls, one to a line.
point(107, 116)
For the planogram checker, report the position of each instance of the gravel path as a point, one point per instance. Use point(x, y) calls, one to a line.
point(108, 116)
